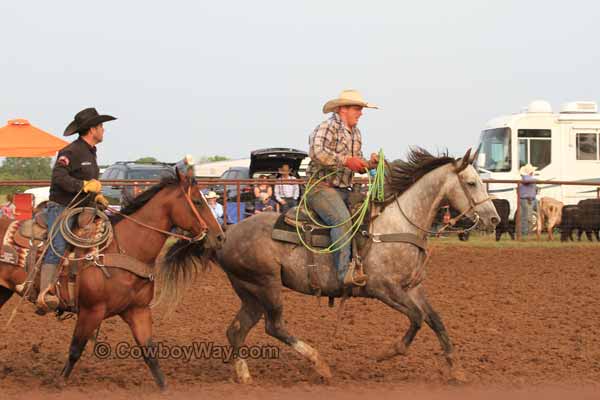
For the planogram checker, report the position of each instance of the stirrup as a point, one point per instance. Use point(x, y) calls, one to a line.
point(351, 280)
point(47, 301)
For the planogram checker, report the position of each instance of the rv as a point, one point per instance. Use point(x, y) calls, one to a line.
point(564, 146)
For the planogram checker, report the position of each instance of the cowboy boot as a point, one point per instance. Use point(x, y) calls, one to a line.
point(47, 301)
point(21, 288)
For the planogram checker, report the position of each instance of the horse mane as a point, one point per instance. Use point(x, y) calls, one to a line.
point(141, 200)
point(404, 174)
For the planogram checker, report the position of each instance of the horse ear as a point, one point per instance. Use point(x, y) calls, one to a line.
point(475, 156)
point(464, 163)
point(180, 176)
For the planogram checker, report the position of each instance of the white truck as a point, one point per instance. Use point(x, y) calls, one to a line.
point(564, 146)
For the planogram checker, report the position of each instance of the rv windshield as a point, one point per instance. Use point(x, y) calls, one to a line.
point(495, 150)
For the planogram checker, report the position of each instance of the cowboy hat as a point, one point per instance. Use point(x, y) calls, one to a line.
point(84, 120)
point(527, 169)
point(212, 195)
point(284, 168)
point(348, 97)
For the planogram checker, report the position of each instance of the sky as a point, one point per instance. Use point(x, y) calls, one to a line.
point(225, 78)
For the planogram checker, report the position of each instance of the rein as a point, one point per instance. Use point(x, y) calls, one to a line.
point(187, 196)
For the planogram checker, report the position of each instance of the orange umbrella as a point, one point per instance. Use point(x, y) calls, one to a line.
point(21, 139)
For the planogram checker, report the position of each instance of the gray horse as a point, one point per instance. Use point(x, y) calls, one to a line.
point(259, 267)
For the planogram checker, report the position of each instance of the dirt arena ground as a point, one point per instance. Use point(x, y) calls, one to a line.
point(523, 321)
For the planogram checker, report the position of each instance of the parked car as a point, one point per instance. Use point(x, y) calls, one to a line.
point(262, 162)
point(131, 170)
point(235, 173)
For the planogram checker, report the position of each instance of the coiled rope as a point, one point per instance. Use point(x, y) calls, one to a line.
point(63, 225)
point(375, 192)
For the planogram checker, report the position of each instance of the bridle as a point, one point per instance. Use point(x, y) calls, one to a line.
point(472, 205)
point(188, 197)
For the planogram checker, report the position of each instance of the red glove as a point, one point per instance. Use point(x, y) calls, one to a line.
point(356, 164)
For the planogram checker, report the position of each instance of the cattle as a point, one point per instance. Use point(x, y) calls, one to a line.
point(505, 225)
point(569, 222)
point(588, 219)
point(549, 212)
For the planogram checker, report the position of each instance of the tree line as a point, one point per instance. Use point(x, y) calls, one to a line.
point(40, 168)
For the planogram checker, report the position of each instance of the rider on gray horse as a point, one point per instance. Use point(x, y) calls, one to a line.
point(335, 144)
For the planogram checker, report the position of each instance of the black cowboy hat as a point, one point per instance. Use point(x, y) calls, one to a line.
point(85, 119)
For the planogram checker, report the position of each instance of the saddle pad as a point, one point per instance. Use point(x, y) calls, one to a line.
point(11, 252)
point(286, 233)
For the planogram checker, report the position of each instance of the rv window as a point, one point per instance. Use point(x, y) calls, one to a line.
point(495, 150)
point(540, 151)
point(535, 147)
point(534, 133)
point(523, 152)
point(587, 146)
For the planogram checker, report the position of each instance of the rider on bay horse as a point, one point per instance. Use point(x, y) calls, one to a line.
point(336, 144)
point(74, 174)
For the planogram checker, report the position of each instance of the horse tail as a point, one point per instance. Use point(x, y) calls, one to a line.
point(179, 269)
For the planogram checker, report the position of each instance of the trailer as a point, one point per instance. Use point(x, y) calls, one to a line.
point(564, 146)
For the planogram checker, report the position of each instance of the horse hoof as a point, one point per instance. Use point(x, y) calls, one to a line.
point(394, 350)
point(61, 383)
point(241, 371)
point(458, 377)
point(323, 370)
point(244, 380)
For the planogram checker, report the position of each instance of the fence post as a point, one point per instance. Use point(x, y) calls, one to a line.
point(518, 213)
point(238, 200)
point(225, 204)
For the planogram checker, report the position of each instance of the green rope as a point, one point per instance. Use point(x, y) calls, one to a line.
point(375, 192)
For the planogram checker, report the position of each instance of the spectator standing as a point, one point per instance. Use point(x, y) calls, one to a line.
point(527, 194)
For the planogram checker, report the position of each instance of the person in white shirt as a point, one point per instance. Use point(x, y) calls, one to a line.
point(286, 194)
point(215, 207)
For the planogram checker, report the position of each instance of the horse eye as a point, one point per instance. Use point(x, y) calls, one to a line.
point(473, 184)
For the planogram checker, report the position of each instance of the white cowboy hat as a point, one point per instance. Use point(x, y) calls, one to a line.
point(348, 97)
point(527, 169)
point(212, 195)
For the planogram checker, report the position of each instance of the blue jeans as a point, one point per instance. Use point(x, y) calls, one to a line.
point(54, 210)
point(526, 207)
point(330, 205)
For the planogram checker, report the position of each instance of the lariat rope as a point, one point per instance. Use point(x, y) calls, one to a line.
point(375, 192)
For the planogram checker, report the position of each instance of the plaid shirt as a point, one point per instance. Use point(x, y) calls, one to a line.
point(331, 143)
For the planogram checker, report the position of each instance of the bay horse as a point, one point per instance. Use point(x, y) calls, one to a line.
point(140, 232)
point(258, 267)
